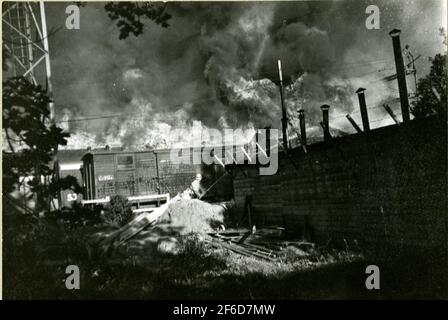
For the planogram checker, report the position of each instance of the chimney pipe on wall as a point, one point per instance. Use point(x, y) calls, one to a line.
point(401, 74)
point(268, 140)
point(282, 100)
point(363, 109)
point(325, 122)
point(302, 127)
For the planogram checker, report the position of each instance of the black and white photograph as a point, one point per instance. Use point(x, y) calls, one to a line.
point(224, 150)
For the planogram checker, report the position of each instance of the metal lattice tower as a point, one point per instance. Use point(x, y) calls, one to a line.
point(25, 42)
point(25, 46)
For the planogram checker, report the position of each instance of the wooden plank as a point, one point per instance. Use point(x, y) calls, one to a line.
point(238, 249)
point(96, 201)
point(249, 246)
point(285, 244)
point(142, 210)
point(230, 233)
point(257, 248)
point(234, 249)
point(245, 236)
point(154, 197)
point(226, 238)
point(271, 246)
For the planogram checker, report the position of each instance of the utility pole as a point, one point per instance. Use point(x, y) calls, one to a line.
point(50, 92)
point(47, 59)
point(410, 65)
point(284, 116)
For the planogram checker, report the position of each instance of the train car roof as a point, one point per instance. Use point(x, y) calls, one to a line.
point(97, 152)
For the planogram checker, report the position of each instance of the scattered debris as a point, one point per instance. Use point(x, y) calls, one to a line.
point(262, 243)
point(136, 225)
point(191, 216)
point(182, 216)
point(160, 230)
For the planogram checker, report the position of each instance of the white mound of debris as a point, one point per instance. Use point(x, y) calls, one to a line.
point(183, 217)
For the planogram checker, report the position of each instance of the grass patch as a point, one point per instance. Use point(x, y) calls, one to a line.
point(36, 255)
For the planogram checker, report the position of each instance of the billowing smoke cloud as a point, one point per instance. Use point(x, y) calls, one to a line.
point(216, 66)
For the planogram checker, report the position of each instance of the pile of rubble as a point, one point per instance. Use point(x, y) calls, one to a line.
point(161, 232)
point(191, 216)
point(267, 243)
point(184, 217)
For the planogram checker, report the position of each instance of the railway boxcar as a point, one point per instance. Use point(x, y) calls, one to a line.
point(177, 173)
point(127, 173)
point(135, 173)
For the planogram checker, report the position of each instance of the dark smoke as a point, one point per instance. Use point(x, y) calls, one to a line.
point(217, 62)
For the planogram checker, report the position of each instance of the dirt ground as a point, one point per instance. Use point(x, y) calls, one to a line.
point(199, 272)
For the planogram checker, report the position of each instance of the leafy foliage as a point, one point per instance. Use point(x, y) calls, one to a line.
point(30, 138)
point(436, 81)
point(118, 211)
point(129, 16)
point(67, 183)
point(74, 217)
point(32, 242)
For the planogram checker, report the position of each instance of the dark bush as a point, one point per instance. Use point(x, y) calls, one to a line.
point(118, 212)
point(74, 217)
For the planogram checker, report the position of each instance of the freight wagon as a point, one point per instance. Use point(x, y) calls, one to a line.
point(137, 173)
point(106, 172)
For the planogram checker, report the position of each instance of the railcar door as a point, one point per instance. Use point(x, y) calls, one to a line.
point(126, 181)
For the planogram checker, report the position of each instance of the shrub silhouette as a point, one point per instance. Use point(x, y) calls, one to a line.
point(118, 212)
